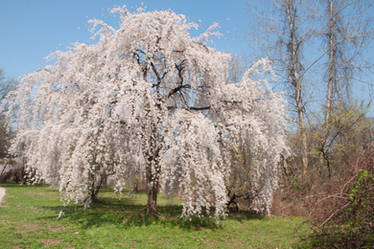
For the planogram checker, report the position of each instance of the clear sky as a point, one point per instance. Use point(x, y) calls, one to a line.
point(32, 29)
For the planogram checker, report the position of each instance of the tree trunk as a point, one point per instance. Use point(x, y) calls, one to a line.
point(332, 76)
point(152, 201)
point(293, 50)
point(153, 169)
point(332, 56)
point(96, 186)
point(152, 190)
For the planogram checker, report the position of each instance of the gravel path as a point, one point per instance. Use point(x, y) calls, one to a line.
point(2, 194)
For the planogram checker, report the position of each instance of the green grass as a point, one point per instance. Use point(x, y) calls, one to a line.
point(28, 219)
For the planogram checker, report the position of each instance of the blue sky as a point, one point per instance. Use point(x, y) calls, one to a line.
point(32, 29)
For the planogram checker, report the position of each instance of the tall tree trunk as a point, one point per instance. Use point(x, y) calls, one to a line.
point(293, 49)
point(331, 73)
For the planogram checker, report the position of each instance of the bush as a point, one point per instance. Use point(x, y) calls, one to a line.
point(345, 218)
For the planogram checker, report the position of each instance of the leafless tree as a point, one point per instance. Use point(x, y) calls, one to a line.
point(346, 32)
point(320, 45)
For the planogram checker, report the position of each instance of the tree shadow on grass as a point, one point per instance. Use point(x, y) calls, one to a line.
point(244, 215)
point(127, 213)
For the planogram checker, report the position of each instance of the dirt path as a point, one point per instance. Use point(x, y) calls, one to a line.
point(2, 194)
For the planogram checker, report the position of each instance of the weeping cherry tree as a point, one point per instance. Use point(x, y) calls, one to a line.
point(148, 99)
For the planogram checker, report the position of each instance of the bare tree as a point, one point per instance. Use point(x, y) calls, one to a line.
point(316, 43)
point(346, 35)
point(294, 50)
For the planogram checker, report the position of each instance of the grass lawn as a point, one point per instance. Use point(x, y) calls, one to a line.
point(28, 219)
